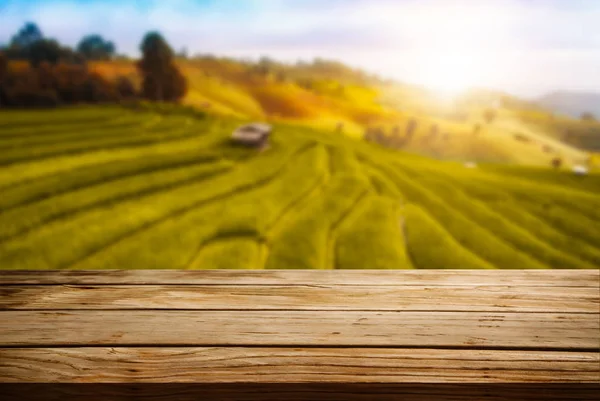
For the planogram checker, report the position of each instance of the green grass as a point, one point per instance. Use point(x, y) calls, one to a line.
point(312, 232)
point(521, 237)
point(372, 238)
point(22, 219)
point(431, 247)
point(108, 187)
point(229, 253)
point(250, 214)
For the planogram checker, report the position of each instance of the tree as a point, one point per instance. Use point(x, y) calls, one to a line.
point(21, 42)
point(3, 65)
point(587, 116)
point(489, 116)
point(96, 89)
point(3, 71)
point(28, 35)
point(70, 82)
point(46, 77)
point(411, 128)
point(125, 88)
point(94, 47)
point(265, 66)
point(161, 80)
point(21, 88)
point(556, 162)
point(45, 50)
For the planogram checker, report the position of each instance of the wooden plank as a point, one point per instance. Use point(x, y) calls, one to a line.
point(303, 297)
point(563, 331)
point(566, 278)
point(298, 365)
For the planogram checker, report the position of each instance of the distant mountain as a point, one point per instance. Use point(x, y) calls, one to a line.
point(571, 103)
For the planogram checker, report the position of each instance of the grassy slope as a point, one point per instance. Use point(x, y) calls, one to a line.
point(145, 190)
point(229, 88)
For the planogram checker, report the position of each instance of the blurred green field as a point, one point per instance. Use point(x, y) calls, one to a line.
point(115, 188)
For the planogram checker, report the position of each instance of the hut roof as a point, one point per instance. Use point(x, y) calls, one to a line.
point(252, 131)
point(580, 170)
point(255, 134)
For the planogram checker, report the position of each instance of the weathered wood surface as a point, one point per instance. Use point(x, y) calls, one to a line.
point(379, 329)
point(299, 365)
point(577, 331)
point(482, 298)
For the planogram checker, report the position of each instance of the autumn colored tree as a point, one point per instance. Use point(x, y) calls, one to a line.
point(161, 80)
point(54, 74)
point(21, 88)
point(46, 77)
point(70, 81)
point(98, 90)
point(125, 88)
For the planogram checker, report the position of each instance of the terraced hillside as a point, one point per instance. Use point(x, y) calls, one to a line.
point(322, 95)
point(113, 188)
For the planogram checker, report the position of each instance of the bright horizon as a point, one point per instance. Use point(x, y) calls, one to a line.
point(524, 47)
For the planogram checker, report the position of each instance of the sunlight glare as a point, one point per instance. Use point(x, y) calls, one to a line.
point(458, 46)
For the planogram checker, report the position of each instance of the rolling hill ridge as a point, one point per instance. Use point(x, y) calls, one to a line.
point(327, 95)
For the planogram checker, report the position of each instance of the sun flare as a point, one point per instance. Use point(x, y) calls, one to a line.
point(452, 72)
point(459, 46)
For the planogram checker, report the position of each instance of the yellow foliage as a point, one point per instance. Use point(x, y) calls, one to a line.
point(323, 97)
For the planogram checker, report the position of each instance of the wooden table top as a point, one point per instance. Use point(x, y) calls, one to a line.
point(379, 328)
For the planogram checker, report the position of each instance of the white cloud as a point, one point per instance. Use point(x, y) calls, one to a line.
point(524, 46)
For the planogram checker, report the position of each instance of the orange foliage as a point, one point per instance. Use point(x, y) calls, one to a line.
point(276, 103)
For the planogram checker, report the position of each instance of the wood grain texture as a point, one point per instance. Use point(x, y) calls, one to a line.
point(301, 328)
point(300, 335)
point(294, 365)
point(303, 297)
point(551, 278)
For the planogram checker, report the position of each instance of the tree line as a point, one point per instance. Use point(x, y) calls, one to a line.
point(37, 71)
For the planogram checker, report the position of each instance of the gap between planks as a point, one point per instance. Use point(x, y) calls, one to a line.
point(550, 278)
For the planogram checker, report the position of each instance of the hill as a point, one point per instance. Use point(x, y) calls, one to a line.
point(572, 104)
point(324, 94)
point(95, 188)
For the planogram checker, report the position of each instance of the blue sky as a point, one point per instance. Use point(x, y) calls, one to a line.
point(526, 47)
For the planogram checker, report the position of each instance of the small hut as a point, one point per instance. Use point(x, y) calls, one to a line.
point(254, 135)
point(580, 170)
